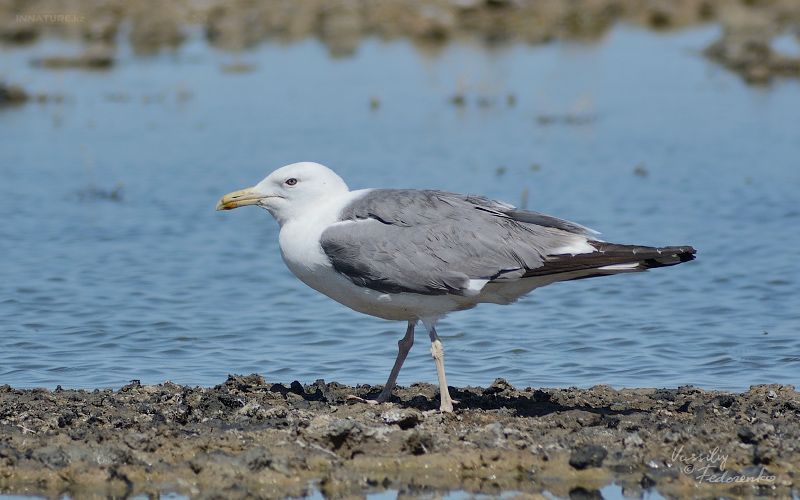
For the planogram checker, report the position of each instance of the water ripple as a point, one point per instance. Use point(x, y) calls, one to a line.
point(161, 287)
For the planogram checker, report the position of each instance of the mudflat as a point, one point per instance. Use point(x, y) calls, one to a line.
point(247, 438)
point(745, 46)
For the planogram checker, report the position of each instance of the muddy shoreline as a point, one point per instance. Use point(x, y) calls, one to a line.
point(746, 45)
point(247, 438)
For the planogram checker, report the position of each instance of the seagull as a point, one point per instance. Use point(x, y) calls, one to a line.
point(416, 255)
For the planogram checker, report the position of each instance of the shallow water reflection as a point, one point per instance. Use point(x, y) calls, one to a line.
point(610, 492)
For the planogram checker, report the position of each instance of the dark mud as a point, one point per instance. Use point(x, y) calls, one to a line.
point(11, 94)
point(249, 439)
point(750, 26)
point(746, 43)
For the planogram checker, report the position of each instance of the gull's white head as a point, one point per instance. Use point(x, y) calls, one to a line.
point(289, 191)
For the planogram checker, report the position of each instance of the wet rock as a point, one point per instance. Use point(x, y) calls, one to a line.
point(764, 454)
point(231, 401)
point(12, 94)
point(499, 386)
point(746, 44)
point(343, 436)
point(490, 436)
point(587, 456)
point(340, 24)
point(724, 400)
point(217, 461)
point(659, 472)
point(246, 438)
point(94, 57)
point(584, 494)
point(258, 459)
point(403, 418)
point(435, 23)
point(633, 439)
point(755, 433)
point(419, 443)
point(12, 31)
point(49, 456)
point(102, 26)
point(663, 395)
point(140, 441)
point(243, 383)
point(154, 25)
point(9, 457)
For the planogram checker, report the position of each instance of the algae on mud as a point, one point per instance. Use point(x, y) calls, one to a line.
point(247, 438)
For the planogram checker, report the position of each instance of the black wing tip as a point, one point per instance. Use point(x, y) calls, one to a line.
point(688, 253)
point(684, 253)
point(670, 256)
point(648, 257)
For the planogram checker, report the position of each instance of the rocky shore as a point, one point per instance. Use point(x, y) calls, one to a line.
point(746, 46)
point(247, 438)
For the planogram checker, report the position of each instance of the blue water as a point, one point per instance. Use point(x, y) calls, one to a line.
point(635, 135)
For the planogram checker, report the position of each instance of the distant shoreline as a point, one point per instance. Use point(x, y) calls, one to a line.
point(745, 47)
point(247, 438)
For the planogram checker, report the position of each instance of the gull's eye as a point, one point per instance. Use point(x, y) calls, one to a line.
point(291, 182)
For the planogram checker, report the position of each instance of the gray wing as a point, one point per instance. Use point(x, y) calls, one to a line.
point(435, 242)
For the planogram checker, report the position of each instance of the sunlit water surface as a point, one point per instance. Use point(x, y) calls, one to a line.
point(635, 135)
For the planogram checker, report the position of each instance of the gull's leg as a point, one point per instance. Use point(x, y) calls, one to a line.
point(403, 346)
point(437, 352)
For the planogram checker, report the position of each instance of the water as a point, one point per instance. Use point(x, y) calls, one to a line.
point(610, 492)
point(635, 135)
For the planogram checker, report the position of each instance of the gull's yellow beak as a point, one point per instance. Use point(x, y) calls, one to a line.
point(238, 199)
